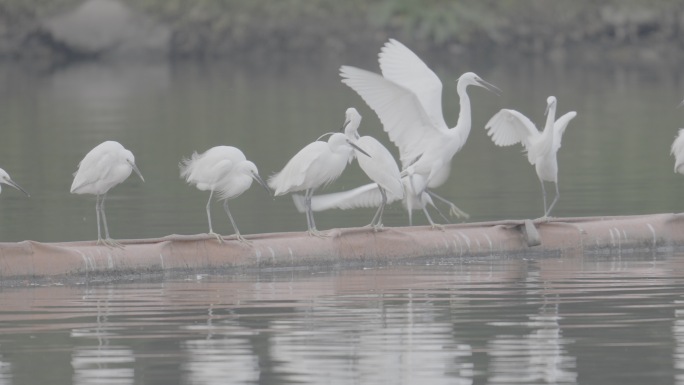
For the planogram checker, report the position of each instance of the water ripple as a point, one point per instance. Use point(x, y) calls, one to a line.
point(499, 321)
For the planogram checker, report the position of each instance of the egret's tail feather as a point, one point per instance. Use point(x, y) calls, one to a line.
point(300, 202)
point(186, 168)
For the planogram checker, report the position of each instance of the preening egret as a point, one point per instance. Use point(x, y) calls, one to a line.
point(678, 151)
point(5, 178)
point(221, 169)
point(407, 98)
point(105, 166)
point(317, 164)
point(380, 166)
point(508, 127)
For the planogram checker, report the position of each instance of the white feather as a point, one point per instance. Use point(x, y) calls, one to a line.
point(678, 151)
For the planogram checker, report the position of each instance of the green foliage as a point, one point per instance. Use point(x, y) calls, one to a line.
point(216, 27)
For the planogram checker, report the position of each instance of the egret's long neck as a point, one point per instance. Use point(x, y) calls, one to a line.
point(550, 120)
point(464, 117)
point(351, 130)
point(548, 128)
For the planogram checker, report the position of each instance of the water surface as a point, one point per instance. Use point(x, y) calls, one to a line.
point(614, 160)
point(566, 320)
point(584, 320)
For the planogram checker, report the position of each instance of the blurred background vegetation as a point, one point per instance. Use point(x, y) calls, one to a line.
point(237, 28)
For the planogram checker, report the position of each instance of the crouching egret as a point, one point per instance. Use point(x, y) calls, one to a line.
point(508, 127)
point(368, 196)
point(105, 166)
point(225, 170)
point(407, 98)
point(5, 178)
point(317, 164)
point(380, 166)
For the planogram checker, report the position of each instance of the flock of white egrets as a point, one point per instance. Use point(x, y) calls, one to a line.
point(407, 97)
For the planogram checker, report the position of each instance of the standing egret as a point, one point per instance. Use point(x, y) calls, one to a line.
point(407, 98)
point(508, 127)
point(223, 169)
point(317, 164)
point(678, 148)
point(5, 178)
point(380, 166)
point(678, 151)
point(105, 166)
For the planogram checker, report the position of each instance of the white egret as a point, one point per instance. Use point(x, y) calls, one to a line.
point(366, 196)
point(380, 166)
point(678, 151)
point(5, 178)
point(407, 98)
point(105, 166)
point(225, 170)
point(317, 164)
point(508, 127)
point(678, 148)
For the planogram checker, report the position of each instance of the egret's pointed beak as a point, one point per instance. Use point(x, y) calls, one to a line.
point(135, 168)
point(262, 183)
point(16, 186)
point(489, 86)
point(358, 149)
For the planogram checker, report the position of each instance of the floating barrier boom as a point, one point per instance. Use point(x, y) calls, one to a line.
point(31, 260)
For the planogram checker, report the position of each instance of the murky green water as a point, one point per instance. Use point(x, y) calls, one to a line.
point(614, 160)
point(587, 320)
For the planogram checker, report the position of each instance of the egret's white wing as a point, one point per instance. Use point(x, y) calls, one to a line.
point(678, 144)
point(401, 66)
point(678, 149)
point(401, 113)
point(201, 170)
point(361, 197)
point(293, 176)
point(94, 167)
point(559, 128)
point(210, 165)
point(508, 127)
point(380, 166)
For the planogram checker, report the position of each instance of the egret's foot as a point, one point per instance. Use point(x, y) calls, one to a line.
point(374, 226)
point(218, 237)
point(544, 219)
point(458, 213)
point(109, 242)
point(316, 233)
point(114, 243)
point(436, 226)
point(242, 239)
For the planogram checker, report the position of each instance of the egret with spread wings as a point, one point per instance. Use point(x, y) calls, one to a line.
point(407, 98)
point(508, 127)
